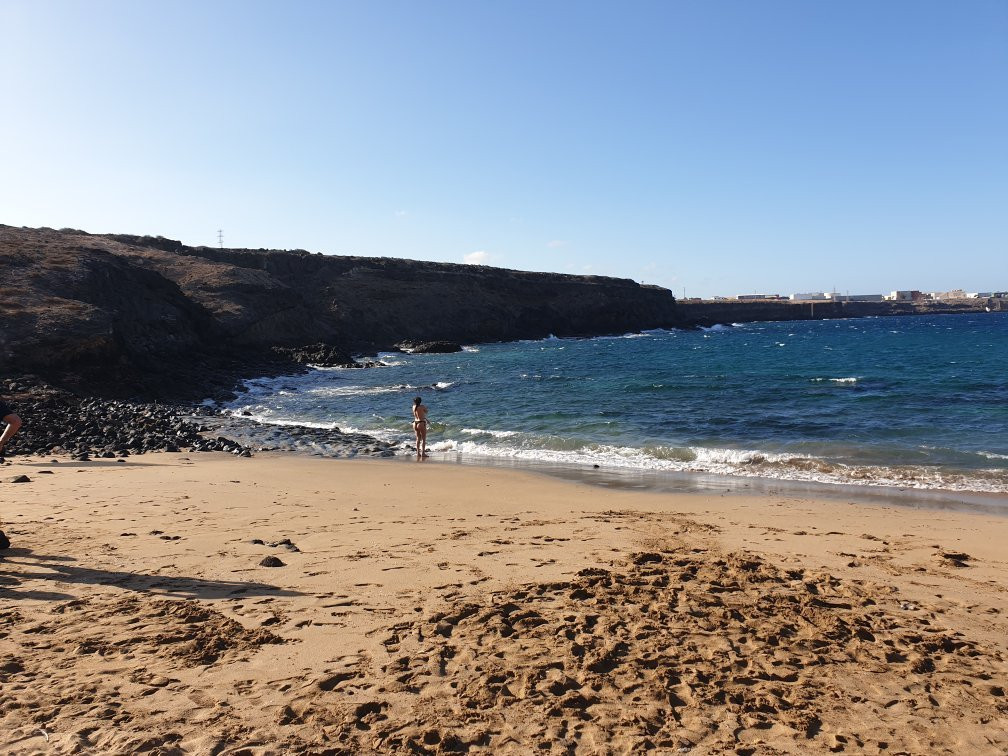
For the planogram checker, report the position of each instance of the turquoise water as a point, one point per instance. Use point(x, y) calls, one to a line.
point(914, 402)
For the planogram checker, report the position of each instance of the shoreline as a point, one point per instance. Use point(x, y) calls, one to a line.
point(67, 424)
point(433, 607)
point(629, 478)
point(662, 481)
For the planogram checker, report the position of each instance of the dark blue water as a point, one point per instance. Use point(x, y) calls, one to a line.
point(918, 402)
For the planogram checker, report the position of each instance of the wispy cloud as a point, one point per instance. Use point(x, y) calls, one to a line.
point(401, 213)
point(479, 257)
point(557, 243)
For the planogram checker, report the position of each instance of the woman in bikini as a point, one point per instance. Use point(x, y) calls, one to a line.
point(420, 427)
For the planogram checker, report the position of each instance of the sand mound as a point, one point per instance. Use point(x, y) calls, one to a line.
point(678, 652)
point(89, 663)
point(187, 632)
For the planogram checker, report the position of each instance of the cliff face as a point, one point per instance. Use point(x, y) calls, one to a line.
point(122, 314)
point(117, 315)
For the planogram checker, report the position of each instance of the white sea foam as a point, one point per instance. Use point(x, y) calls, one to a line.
point(709, 456)
point(330, 368)
point(748, 463)
point(391, 435)
point(470, 349)
point(851, 379)
point(359, 390)
point(716, 328)
point(265, 418)
point(992, 455)
point(642, 335)
point(442, 385)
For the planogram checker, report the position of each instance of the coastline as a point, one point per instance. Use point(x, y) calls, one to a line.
point(156, 319)
point(300, 440)
point(431, 607)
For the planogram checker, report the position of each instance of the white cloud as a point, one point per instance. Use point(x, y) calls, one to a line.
point(479, 257)
point(401, 213)
point(557, 243)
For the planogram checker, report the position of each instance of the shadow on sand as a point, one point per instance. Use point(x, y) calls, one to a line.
point(20, 565)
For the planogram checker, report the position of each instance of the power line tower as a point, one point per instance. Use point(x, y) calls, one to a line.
point(220, 238)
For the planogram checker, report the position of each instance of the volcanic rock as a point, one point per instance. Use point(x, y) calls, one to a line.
point(431, 347)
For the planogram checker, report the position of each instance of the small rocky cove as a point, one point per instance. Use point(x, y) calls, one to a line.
point(109, 342)
point(56, 422)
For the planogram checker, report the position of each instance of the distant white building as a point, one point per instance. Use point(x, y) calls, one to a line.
point(861, 297)
point(904, 296)
point(757, 297)
point(815, 296)
point(953, 294)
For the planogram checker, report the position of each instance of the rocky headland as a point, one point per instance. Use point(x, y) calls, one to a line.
point(147, 317)
point(95, 328)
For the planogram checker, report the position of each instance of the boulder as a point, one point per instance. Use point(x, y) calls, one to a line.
point(431, 347)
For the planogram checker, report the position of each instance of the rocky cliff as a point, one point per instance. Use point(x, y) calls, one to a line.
point(148, 317)
point(124, 315)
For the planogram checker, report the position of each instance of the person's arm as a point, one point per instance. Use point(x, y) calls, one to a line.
point(13, 424)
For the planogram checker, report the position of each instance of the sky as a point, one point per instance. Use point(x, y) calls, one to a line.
point(714, 147)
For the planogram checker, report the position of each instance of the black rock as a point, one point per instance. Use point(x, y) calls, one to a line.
point(431, 347)
point(325, 355)
point(271, 561)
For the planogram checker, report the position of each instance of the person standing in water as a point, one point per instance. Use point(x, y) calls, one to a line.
point(420, 427)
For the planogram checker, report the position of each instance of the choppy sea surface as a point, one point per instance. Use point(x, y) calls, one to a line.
point(908, 402)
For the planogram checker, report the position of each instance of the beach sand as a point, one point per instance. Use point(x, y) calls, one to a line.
point(437, 608)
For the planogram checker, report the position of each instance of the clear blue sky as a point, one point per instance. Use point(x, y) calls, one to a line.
point(716, 146)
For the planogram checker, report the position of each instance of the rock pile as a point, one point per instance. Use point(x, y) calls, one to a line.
point(59, 423)
point(298, 439)
point(325, 355)
point(429, 347)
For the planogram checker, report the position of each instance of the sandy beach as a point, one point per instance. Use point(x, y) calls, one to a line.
point(436, 608)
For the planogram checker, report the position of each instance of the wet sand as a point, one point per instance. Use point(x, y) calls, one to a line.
point(436, 608)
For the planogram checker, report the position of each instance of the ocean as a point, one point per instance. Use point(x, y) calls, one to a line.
point(918, 402)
